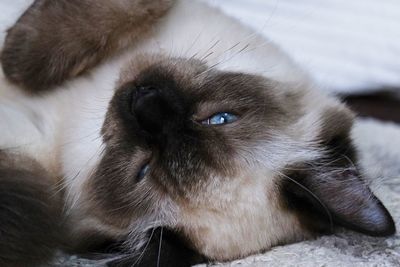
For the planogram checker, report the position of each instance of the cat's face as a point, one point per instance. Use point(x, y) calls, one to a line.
point(235, 163)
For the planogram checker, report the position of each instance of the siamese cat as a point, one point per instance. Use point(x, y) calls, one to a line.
point(170, 130)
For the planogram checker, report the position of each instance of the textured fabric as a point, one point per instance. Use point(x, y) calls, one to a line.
point(345, 45)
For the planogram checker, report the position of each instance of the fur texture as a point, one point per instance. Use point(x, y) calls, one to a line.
point(76, 36)
point(223, 191)
point(30, 215)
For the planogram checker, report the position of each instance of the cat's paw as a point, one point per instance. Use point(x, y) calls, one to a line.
point(55, 40)
point(37, 54)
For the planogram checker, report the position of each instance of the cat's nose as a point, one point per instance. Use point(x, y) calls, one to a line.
point(152, 109)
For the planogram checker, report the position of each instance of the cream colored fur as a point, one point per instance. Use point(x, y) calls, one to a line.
point(61, 130)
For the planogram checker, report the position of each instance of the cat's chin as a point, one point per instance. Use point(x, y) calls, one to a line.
point(223, 239)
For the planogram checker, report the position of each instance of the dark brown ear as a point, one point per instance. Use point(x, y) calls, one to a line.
point(337, 196)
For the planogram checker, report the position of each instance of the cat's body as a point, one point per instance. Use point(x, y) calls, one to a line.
point(62, 131)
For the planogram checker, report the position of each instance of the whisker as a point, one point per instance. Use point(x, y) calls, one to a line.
point(145, 248)
point(350, 161)
point(194, 42)
point(211, 47)
point(206, 56)
point(146, 194)
point(159, 247)
point(314, 196)
point(100, 150)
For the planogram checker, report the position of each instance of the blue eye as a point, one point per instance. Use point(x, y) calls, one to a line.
point(143, 171)
point(220, 118)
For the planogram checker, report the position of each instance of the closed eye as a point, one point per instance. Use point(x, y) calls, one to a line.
point(142, 172)
point(220, 119)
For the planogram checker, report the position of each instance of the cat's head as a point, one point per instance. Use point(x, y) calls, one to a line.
point(234, 163)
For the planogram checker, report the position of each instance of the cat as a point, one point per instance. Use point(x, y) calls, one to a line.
point(171, 130)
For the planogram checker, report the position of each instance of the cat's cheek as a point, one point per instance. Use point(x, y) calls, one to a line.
point(249, 221)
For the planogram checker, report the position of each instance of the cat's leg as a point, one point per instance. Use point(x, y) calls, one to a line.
point(58, 39)
point(164, 249)
point(30, 214)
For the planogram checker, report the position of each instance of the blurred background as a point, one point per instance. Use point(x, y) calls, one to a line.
point(345, 45)
point(350, 48)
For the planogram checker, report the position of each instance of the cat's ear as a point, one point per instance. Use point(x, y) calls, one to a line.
point(341, 197)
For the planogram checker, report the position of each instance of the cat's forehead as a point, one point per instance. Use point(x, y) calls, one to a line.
point(194, 77)
point(153, 68)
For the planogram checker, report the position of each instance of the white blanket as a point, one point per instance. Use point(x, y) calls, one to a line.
point(346, 45)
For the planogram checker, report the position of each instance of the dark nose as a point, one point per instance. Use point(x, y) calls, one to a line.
point(151, 108)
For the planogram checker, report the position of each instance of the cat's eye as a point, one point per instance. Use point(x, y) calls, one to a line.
point(142, 172)
point(220, 118)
